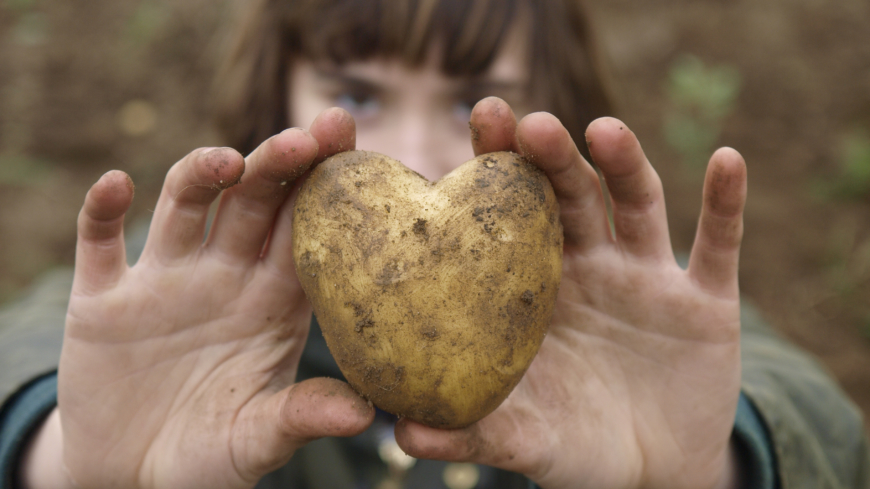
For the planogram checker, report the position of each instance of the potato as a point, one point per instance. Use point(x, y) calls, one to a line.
point(433, 297)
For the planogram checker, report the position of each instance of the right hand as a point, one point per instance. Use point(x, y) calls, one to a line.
point(638, 379)
point(178, 372)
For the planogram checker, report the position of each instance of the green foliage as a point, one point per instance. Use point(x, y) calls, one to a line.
point(146, 22)
point(31, 27)
point(700, 98)
point(846, 263)
point(852, 179)
point(21, 170)
point(848, 260)
point(19, 4)
point(865, 327)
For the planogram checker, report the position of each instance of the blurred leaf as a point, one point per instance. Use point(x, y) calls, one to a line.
point(709, 91)
point(19, 4)
point(22, 170)
point(699, 98)
point(846, 263)
point(146, 22)
point(690, 137)
point(31, 29)
point(855, 158)
point(852, 179)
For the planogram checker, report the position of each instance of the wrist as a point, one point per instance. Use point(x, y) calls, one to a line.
point(42, 464)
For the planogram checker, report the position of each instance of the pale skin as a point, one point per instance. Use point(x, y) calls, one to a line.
point(179, 371)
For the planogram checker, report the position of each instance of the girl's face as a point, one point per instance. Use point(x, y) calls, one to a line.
point(418, 116)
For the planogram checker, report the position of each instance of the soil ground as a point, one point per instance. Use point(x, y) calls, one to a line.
point(90, 86)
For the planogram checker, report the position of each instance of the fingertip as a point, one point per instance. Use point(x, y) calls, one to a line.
point(322, 407)
point(607, 125)
point(110, 197)
point(491, 107)
point(405, 436)
point(335, 131)
point(334, 115)
point(489, 441)
point(421, 441)
point(295, 145)
point(222, 166)
point(539, 128)
point(406, 433)
point(725, 182)
point(493, 126)
point(730, 160)
point(609, 140)
point(543, 140)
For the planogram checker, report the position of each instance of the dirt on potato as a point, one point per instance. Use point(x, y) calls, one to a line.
point(433, 297)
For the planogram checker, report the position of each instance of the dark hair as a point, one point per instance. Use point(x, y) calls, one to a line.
point(565, 78)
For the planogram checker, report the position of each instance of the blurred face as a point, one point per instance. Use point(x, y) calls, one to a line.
point(418, 116)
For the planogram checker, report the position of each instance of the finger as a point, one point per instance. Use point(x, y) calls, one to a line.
point(247, 211)
point(490, 441)
point(716, 251)
point(100, 255)
point(192, 184)
point(639, 216)
point(266, 439)
point(546, 143)
point(335, 132)
point(493, 127)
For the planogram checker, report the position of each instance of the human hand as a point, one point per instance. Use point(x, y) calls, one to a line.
point(637, 382)
point(178, 372)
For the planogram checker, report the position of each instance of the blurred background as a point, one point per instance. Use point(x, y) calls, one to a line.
point(90, 86)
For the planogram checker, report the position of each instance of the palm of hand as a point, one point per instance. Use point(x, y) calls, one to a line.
point(633, 395)
point(193, 371)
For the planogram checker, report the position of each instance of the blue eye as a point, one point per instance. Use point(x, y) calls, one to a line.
point(462, 111)
point(360, 105)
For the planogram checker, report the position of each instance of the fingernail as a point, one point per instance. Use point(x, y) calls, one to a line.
point(130, 184)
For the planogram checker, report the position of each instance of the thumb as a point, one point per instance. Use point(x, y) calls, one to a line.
point(499, 440)
point(275, 428)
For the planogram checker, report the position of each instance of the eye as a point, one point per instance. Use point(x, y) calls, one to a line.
point(462, 109)
point(361, 105)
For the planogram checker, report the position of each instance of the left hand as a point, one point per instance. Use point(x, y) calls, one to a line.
point(637, 381)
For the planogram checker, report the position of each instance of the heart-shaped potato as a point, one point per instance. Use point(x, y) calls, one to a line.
point(433, 297)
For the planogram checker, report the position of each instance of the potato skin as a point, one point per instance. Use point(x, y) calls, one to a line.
point(433, 297)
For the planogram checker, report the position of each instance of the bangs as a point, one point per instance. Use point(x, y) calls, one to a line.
point(470, 31)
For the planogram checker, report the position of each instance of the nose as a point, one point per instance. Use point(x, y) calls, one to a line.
point(418, 145)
